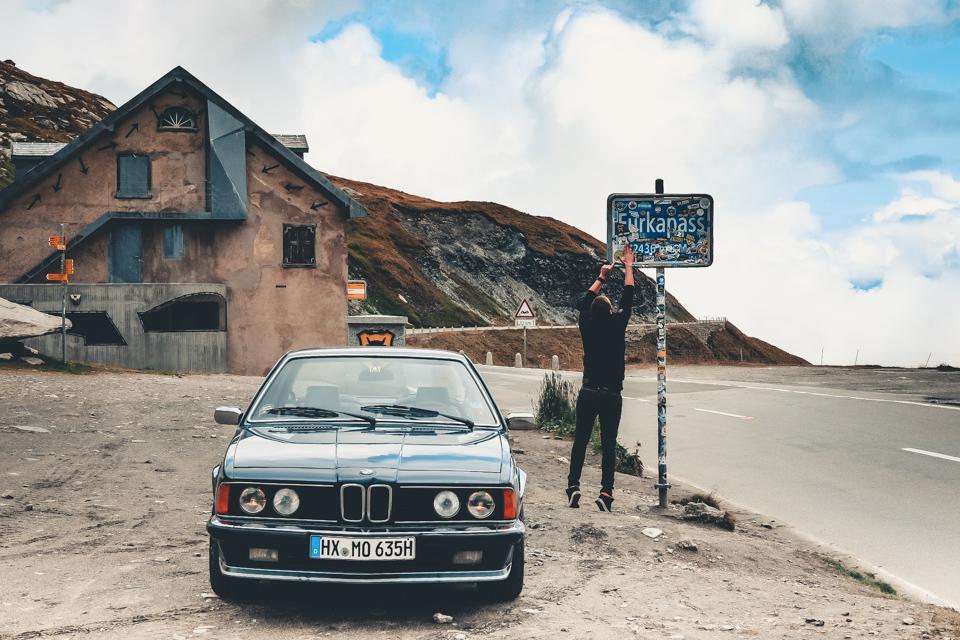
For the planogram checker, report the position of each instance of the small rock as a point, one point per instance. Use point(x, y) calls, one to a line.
point(652, 533)
point(909, 621)
point(563, 460)
point(32, 361)
point(28, 507)
point(6, 495)
point(814, 622)
point(439, 618)
point(687, 544)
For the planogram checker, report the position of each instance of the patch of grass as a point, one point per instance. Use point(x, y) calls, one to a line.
point(72, 367)
point(708, 499)
point(866, 579)
point(555, 411)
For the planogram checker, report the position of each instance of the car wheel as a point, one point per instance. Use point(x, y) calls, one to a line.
point(226, 587)
point(511, 586)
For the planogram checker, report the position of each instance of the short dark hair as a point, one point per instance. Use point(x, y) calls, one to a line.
point(601, 304)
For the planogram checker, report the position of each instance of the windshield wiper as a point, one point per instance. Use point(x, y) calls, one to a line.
point(317, 412)
point(402, 411)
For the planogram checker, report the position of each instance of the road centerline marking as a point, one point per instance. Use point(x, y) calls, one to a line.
point(721, 413)
point(932, 454)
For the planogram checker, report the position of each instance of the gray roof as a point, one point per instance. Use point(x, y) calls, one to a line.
point(35, 149)
point(294, 142)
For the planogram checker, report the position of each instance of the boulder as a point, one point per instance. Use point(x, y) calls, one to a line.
point(18, 322)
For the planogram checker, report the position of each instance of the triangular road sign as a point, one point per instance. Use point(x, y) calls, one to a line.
point(524, 311)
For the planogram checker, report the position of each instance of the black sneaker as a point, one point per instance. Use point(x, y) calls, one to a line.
point(573, 497)
point(604, 502)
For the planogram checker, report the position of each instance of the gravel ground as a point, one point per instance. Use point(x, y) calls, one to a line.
point(105, 481)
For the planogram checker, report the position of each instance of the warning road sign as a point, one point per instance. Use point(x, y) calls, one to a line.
point(524, 311)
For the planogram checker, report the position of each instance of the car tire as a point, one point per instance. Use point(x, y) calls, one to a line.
point(226, 587)
point(511, 586)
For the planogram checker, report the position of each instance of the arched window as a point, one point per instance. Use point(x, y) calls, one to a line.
point(196, 312)
point(177, 118)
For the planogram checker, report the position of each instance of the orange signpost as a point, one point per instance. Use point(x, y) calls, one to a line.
point(356, 290)
point(58, 276)
point(68, 266)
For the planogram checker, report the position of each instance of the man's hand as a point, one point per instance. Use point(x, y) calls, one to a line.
point(605, 270)
point(628, 255)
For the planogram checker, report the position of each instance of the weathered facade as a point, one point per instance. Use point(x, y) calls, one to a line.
point(213, 227)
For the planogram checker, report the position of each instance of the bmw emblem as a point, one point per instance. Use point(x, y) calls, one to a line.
point(367, 472)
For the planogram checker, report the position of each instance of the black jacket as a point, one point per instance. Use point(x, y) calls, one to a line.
point(604, 347)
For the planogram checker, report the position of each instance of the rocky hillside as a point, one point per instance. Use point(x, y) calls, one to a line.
point(33, 109)
point(440, 264)
point(472, 263)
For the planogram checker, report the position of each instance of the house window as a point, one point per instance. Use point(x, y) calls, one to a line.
point(195, 312)
point(95, 327)
point(177, 118)
point(133, 177)
point(299, 245)
point(173, 242)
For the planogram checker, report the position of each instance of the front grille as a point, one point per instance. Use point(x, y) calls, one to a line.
point(360, 503)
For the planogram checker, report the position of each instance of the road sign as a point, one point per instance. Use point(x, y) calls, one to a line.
point(68, 266)
point(665, 230)
point(55, 241)
point(526, 322)
point(58, 276)
point(524, 311)
point(356, 290)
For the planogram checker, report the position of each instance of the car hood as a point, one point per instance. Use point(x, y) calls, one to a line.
point(340, 455)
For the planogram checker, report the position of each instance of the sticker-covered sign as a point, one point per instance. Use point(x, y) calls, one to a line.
point(666, 230)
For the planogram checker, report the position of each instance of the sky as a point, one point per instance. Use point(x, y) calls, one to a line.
point(827, 131)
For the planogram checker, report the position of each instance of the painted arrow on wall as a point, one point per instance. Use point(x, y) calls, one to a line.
point(112, 145)
point(317, 205)
point(267, 169)
point(57, 186)
point(134, 127)
point(36, 199)
point(292, 187)
point(83, 168)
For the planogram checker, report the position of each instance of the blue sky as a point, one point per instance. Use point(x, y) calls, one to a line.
point(828, 131)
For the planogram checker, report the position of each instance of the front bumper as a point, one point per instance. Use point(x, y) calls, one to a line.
point(435, 546)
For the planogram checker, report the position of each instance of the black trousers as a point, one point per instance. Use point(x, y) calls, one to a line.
point(592, 404)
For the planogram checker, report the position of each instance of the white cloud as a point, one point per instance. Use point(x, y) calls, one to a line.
point(551, 115)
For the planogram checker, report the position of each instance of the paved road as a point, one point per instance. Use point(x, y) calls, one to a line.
point(874, 474)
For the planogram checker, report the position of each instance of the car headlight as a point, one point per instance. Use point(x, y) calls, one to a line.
point(481, 504)
point(446, 504)
point(286, 501)
point(253, 500)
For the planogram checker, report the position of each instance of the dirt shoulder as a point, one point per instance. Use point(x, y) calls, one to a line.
point(106, 481)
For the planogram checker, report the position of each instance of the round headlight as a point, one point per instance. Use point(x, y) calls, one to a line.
point(286, 501)
point(253, 500)
point(481, 504)
point(446, 504)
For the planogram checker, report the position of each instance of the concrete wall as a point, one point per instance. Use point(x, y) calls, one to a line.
point(201, 351)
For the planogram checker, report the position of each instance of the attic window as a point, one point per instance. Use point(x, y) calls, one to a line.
point(299, 245)
point(177, 118)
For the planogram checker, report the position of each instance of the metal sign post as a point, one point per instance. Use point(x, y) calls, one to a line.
point(524, 317)
point(66, 268)
point(674, 230)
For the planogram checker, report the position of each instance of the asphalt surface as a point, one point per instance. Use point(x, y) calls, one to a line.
point(864, 460)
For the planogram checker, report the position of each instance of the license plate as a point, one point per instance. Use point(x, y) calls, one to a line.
point(332, 547)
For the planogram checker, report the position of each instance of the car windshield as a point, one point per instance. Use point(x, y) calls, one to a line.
point(372, 391)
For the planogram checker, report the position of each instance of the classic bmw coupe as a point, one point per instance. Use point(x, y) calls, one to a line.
point(368, 465)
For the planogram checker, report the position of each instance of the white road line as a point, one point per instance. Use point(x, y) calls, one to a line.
point(824, 395)
point(930, 453)
point(721, 413)
point(637, 399)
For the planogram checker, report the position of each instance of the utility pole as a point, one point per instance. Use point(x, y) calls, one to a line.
point(662, 484)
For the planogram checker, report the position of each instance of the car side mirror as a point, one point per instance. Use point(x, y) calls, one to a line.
point(227, 415)
point(520, 421)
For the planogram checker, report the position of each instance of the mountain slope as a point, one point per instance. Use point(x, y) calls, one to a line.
point(472, 263)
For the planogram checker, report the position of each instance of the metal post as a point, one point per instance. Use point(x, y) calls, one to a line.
point(63, 290)
point(662, 483)
point(524, 347)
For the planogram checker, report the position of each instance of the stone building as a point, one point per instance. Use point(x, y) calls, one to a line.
point(199, 241)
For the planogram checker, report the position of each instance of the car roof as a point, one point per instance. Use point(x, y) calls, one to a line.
point(378, 352)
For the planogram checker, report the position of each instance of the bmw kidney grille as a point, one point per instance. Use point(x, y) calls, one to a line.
point(359, 503)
